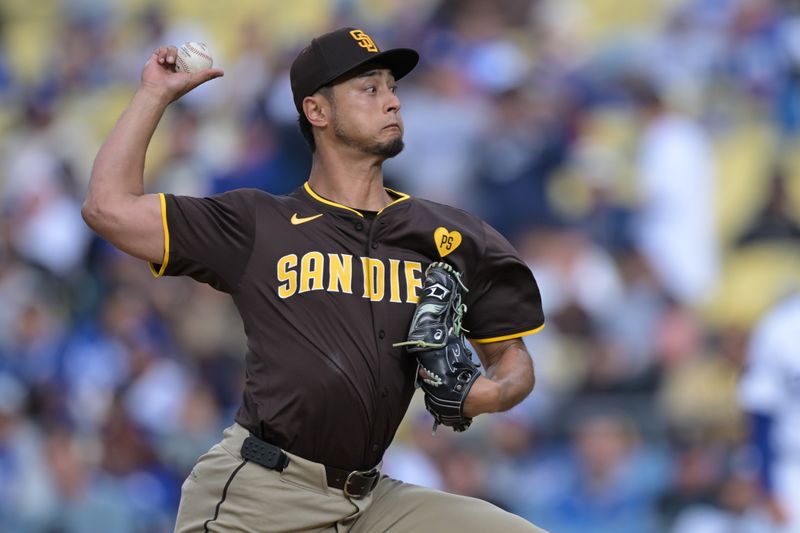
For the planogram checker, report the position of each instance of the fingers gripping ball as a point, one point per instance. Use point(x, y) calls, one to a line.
point(193, 57)
point(445, 365)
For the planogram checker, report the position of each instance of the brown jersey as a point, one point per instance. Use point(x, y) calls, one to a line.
point(324, 291)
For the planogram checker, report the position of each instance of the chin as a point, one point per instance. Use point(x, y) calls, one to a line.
point(390, 148)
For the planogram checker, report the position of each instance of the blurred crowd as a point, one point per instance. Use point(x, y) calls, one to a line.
point(641, 156)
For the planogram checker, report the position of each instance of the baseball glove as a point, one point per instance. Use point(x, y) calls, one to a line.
point(445, 369)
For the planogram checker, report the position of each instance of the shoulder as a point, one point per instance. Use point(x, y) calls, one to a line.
point(486, 239)
point(248, 206)
point(424, 204)
point(433, 211)
point(245, 195)
point(257, 198)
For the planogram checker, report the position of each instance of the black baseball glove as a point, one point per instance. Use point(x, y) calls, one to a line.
point(445, 369)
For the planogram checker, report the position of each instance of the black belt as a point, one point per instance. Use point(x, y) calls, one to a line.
point(355, 483)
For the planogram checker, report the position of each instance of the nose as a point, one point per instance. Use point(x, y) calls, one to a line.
point(392, 102)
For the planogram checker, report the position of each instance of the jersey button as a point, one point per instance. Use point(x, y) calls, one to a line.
point(374, 245)
point(384, 393)
point(381, 334)
point(375, 447)
point(359, 226)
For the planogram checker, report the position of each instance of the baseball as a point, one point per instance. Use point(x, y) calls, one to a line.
point(193, 57)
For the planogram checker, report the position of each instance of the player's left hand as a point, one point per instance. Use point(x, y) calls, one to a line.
point(446, 370)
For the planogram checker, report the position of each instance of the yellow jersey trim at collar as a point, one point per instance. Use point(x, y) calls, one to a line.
point(319, 198)
point(399, 197)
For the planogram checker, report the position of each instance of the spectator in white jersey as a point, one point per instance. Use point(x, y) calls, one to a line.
point(770, 394)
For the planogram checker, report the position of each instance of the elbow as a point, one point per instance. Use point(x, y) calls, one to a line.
point(514, 393)
point(91, 213)
point(98, 214)
point(526, 386)
point(525, 389)
point(531, 383)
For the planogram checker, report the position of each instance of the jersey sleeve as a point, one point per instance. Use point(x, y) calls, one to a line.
point(503, 301)
point(208, 239)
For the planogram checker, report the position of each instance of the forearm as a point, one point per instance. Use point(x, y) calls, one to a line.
point(117, 175)
point(513, 373)
point(507, 380)
point(116, 206)
point(118, 169)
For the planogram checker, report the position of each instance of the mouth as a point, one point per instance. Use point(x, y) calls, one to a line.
point(393, 125)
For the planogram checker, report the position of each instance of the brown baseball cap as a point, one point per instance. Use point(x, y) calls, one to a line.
point(334, 54)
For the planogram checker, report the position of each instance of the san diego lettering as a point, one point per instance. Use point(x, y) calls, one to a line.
point(398, 280)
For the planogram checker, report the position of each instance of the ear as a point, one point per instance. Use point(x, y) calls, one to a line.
point(317, 110)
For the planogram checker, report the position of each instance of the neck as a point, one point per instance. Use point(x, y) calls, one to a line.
point(349, 179)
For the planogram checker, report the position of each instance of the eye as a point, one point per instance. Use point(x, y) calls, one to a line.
point(371, 89)
point(393, 88)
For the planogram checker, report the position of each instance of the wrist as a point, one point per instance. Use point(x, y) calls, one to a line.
point(153, 96)
point(483, 397)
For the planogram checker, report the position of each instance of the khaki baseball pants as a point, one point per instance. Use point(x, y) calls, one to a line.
point(224, 493)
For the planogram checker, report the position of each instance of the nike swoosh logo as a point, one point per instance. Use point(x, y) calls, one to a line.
point(296, 220)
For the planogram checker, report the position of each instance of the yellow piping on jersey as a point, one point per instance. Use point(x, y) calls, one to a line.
point(324, 201)
point(508, 337)
point(400, 197)
point(166, 239)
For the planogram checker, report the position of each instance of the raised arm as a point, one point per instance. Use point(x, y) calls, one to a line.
point(507, 380)
point(116, 206)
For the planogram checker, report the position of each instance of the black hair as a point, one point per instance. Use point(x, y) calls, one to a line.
point(305, 126)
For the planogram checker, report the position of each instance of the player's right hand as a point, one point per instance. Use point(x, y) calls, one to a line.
point(159, 75)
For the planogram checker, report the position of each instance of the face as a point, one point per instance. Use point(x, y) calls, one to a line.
point(365, 113)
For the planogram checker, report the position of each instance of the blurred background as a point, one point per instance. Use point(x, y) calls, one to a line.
point(642, 157)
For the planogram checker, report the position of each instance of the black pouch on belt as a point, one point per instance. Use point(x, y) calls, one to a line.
point(264, 454)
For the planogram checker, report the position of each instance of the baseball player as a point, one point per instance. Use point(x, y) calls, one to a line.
point(769, 393)
point(351, 294)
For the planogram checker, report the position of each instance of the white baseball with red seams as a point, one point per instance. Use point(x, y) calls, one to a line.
point(193, 57)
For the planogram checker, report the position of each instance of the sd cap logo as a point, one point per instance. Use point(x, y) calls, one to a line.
point(364, 40)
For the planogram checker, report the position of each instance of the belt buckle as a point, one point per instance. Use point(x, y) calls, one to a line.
point(371, 473)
